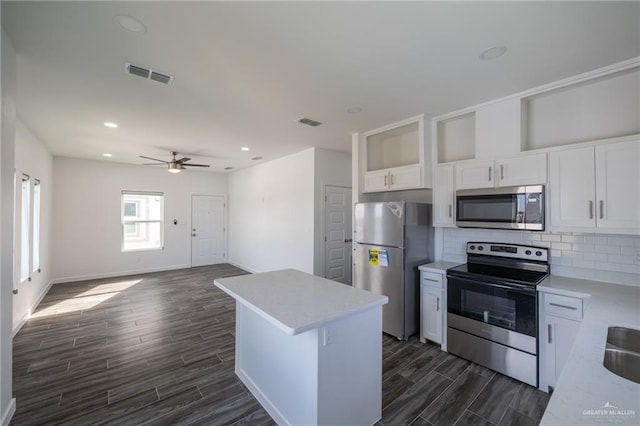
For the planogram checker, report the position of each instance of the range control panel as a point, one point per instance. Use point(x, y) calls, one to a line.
point(514, 251)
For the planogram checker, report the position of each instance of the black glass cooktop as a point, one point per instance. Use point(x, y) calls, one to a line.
point(498, 274)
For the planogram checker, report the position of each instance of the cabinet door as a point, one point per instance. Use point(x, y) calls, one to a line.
point(405, 178)
point(443, 196)
point(560, 333)
point(479, 174)
point(572, 188)
point(432, 313)
point(617, 185)
point(376, 181)
point(524, 170)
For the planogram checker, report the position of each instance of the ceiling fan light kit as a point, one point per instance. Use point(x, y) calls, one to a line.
point(175, 165)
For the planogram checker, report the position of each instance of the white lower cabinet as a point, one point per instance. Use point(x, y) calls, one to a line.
point(560, 320)
point(433, 289)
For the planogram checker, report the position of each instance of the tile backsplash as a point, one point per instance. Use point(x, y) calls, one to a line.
point(612, 258)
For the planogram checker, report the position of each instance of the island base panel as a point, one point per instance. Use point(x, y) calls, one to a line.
point(327, 375)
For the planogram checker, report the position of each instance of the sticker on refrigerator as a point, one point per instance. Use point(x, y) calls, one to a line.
point(378, 257)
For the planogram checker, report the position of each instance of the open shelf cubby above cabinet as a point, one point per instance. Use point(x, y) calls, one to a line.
point(396, 147)
point(457, 138)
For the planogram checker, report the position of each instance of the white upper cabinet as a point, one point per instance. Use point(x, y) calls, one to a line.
point(596, 187)
point(618, 185)
point(476, 174)
point(396, 157)
point(443, 196)
point(522, 170)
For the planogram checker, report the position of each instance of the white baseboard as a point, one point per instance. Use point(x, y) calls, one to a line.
point(34, 305)
point(7, 414)
point(117, 274)
point(241, 266)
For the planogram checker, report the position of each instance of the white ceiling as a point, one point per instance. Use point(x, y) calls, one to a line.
point(246, 71)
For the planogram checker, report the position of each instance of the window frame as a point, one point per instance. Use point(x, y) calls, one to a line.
point(124, 221)
point(25, 224)
point(36, 225)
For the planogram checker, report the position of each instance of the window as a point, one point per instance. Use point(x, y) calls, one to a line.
point(142, 220)
point(36, 226)
point(24, 229)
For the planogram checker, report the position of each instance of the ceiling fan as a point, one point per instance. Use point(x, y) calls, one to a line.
point(174, 165)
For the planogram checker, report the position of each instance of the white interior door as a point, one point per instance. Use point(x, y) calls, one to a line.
point(338, 234)
point(207, 230)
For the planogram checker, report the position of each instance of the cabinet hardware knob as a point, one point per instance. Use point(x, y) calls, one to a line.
point(590, 209)
point(437, 304)
point(501, 171)
point(450, 211)
point(490, 168)
point(385, 180)
point(549, 339)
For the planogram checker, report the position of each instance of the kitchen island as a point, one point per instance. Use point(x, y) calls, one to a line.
point(309, 349)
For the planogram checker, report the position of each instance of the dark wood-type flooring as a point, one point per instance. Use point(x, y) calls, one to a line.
point(159, 349)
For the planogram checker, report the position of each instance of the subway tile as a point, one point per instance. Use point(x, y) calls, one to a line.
point(583, 247)
point(633, 269)
point(608, 249)
point(561, 246)
point(572, 238)
point(621, 259)
point(595, 257)
point(572, 254)
point(608, 266)
point(620, 241)
point(556, 253)
point(530, 236)
point(595, 239)
point(581, 263)
point(551, 237)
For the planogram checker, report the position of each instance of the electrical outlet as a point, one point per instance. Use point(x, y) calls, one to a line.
point(328, 336)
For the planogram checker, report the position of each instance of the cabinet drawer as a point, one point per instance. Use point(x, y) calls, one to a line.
point(564, 306)
point(432, 279)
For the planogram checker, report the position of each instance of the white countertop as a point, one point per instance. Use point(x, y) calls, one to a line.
point(585, 385)
point(437, 267)
point(295, 301)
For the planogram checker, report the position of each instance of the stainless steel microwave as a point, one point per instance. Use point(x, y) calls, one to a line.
point(513, 207)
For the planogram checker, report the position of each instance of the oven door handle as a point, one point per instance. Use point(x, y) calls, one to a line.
point(518, 288)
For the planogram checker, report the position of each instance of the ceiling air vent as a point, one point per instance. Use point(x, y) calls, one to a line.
point(148, 74)
point(309, 122)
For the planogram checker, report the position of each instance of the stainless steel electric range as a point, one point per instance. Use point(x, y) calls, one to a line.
point(492, 307)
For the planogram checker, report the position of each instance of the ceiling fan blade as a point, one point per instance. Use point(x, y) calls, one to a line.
point(154, 164)
point(196, 165)
point(154, 159)
point(182, 160)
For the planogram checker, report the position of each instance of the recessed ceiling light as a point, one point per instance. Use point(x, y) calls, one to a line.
point(130, 23)
point(493, 53)
point(244, 148)
point(106, 154)
point(354, 110)
point(256, 158)
point(111, 125)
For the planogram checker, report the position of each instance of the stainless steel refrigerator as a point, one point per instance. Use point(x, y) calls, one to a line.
point(391, 240)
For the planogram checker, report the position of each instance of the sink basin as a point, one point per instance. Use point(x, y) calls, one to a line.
point(624, 338)
point(622, 354)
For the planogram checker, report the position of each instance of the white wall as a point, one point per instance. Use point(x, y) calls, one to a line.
point(331, 168)
point(271, 214)
point(86, 212)
point(7, 161)
point(600, 257)
point(35, 160)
